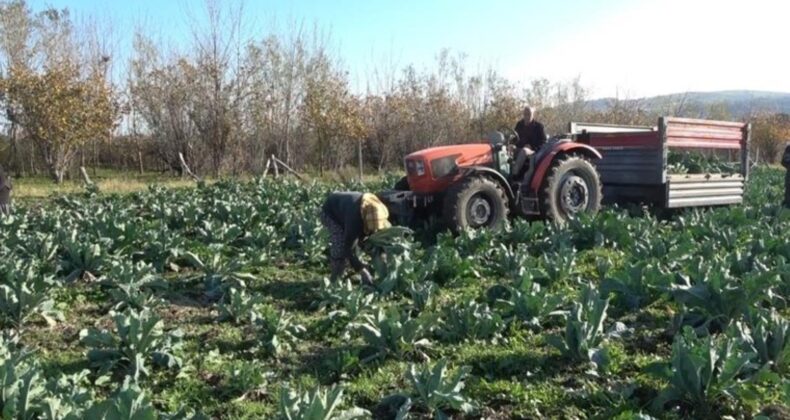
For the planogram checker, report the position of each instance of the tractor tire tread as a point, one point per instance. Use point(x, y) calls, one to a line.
point(452, 214)
point(548, 209)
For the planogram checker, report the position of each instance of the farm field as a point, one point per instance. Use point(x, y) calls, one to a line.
point(211, 302)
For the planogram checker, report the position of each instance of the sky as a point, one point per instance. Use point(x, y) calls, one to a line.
point(617, 47)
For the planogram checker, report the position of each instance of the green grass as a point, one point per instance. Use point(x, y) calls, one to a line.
point(111, 181)
point(36, 188)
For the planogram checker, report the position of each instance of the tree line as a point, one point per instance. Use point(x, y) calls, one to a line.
point(228, 100)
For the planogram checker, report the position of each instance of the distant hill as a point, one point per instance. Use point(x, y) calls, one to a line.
point(738, 103)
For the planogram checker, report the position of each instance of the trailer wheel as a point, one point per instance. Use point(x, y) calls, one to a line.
point(571, 187)
point(476, 202)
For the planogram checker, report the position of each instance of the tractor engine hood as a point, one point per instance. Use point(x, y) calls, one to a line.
point(432, 170)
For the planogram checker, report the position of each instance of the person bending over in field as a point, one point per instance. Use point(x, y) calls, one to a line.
point(786, 164)
point(531, 137)
point(5, 193)
point(349, 217)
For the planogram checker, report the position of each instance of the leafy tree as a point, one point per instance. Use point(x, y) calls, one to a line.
point(331, 112)
point(16, 30)
point(60, 111)
point(769, 135)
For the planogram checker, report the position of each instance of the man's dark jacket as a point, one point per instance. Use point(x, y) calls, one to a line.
point(5, 192)
point(531, 135)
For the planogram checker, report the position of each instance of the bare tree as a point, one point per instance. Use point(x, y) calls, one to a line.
point(218, 85)
point(159, 96)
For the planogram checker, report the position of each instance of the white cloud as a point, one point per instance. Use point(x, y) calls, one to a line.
point(656, 47)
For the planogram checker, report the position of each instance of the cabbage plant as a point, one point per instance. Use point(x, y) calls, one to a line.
point(584, 329)
point(702, 370)
point(137, 342)
point(316, 404)
point(24, 294)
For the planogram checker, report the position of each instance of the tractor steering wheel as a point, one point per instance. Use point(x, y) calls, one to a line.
point(512, 135)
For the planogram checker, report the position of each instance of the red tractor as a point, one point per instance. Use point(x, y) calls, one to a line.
point(472, 186)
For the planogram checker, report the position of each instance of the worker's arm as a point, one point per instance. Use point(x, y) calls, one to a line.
point(352, 233)
point(349, 251)
point(356, 263)
point(521, 140)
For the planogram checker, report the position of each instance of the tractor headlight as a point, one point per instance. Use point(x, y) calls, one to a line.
point(444, 166)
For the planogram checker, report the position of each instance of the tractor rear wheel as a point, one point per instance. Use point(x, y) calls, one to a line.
point(572, 186)
point(476, 202)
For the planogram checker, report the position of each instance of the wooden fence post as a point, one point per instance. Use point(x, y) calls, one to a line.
point(359, 154)
point(268, 165)
point(85, 178)
point(276, 170)
point(185, 167)
point(286, 167)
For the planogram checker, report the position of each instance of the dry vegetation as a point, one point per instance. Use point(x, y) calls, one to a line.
point(230, 98)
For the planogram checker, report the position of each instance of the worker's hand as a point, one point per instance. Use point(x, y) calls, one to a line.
point(367, 279)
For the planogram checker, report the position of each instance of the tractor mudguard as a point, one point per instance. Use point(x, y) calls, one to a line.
point(498, 177)
point(548, 159)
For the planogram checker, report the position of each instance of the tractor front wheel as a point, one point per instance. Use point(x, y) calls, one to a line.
point(476, 202)
point(572, 186)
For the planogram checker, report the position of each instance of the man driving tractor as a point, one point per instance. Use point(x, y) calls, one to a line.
point(531, 137)
point(349, 217)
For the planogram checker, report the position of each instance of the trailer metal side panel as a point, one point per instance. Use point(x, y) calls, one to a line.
point(635, 158)
point(692, 190)
point(583, 127)
point(634, 163)
point(684, 133)
point(704, 190)
point(631, 166)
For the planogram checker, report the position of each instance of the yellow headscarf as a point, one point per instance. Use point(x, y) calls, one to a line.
point(374, 214)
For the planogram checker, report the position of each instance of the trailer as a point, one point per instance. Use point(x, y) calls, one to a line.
point(634, 163)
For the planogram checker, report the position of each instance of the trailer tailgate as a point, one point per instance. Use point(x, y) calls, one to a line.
point(704, 190)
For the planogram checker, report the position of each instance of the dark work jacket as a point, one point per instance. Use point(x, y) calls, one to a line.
point(531, 135)
point(786, 158)
point(344, 209)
